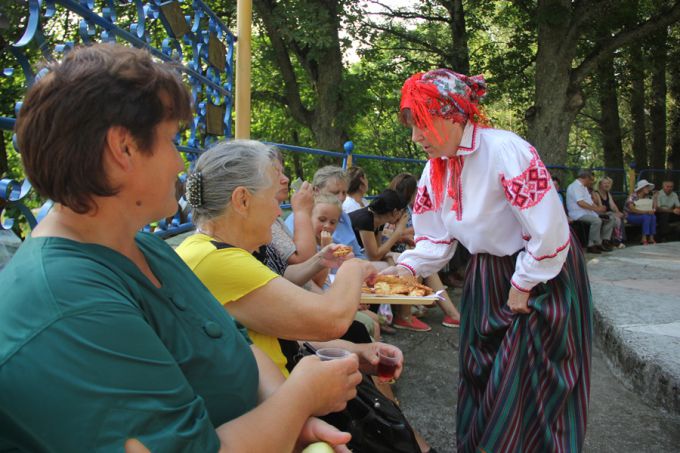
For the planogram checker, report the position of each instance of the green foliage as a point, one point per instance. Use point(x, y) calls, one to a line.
point(502, 42)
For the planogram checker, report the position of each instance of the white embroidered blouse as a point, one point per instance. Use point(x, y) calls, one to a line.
point(506, 203)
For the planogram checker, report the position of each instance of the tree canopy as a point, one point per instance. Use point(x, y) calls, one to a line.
point(588, 82)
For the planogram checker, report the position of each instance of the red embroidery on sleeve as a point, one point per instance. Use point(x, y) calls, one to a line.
point(413, 271)
point(422, 203)
point(524, 290)
point(528, 188)
point(552, 255)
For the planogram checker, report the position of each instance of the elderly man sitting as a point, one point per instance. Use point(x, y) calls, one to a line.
point(581, 207)
point(667, 209)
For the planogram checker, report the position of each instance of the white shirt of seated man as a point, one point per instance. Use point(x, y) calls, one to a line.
point(576, 192)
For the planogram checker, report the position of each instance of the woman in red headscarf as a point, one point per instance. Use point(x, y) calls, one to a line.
point(526, 327)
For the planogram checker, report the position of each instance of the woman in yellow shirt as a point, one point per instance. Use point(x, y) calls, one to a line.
point(233, 196)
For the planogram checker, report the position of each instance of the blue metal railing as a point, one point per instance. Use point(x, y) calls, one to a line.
point(164, 228)
point(349, 147)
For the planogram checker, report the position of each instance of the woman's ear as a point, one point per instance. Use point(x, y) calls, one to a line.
point(240, 200)
point(117, 145)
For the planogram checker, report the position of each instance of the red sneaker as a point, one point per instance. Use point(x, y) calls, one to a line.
point(414, 324)
point(448, 321)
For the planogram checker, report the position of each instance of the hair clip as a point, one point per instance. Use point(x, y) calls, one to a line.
point(194, 191)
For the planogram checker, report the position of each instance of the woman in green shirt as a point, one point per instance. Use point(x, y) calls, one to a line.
point(105, 334)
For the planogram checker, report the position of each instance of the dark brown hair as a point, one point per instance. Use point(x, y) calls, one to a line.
point(405, 184)
point(62, 125)
point(405, 117)
point(355, 174)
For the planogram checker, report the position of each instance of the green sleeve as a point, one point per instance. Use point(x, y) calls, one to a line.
point(115, 377)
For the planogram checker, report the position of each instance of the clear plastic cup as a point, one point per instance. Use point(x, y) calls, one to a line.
point(387, 366)
point(331, 353)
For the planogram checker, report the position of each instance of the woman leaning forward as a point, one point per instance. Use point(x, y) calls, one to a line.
point(525, 340)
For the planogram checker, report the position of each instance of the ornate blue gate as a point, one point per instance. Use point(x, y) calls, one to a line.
point(186, 32)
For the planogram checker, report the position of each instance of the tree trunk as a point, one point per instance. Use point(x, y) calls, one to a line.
point(298, 169)
point(610, 121)
point(321, 60)
point(657, 108)
point(297, 166)
point(556, 102)
point(674, 112)
point(460, 54)
point(558, 96)
point(637, 106)
point(328, 120)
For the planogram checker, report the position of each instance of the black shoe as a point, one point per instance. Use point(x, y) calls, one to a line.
point(594, 249)
point(606, 246)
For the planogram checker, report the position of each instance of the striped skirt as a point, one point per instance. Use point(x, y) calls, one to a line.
point(524, 379)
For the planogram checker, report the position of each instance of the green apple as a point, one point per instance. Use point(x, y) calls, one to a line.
point(318, 447)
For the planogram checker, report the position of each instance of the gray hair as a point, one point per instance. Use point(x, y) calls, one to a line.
point(328, 173)
point(224, 167)
point(583, 174)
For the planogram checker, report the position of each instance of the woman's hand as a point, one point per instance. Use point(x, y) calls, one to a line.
point(303, 199)
point(397, 270)
point(401, 224)
point(330, 384)
point(317, 430)
point(328, 259)
point(368, 270)
point(368, 357)
point(518, 301)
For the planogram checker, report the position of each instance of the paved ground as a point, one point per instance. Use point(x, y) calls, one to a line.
point(621, 419)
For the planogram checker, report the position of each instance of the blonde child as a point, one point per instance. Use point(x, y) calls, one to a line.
point(325, 218)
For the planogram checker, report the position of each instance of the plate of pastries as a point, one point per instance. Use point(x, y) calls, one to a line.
point(395, 289)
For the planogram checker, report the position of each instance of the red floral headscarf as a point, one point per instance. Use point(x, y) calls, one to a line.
point(443, 93)
point(449, 95)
